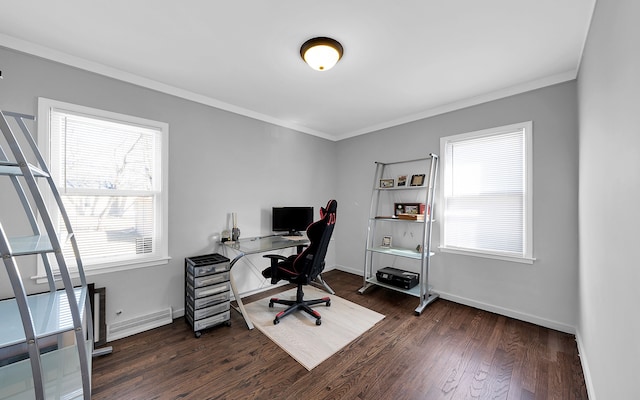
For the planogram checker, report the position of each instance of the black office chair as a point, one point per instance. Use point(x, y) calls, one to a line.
point(303, 268)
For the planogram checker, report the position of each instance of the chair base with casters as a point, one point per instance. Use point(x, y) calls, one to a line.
point(299, 304)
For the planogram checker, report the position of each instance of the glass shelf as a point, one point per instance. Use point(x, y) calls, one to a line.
point(50, 312)
point(394, 251)
point(392, 219)
point(36, 244)
point(62, 377)
point(414, 291)
point(403, 188)
point(9, 168)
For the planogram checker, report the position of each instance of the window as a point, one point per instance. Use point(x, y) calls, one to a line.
point(110, 170)
point(486, 193)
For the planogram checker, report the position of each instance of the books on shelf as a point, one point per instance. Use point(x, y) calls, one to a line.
point(403, 216)
point(411, 217)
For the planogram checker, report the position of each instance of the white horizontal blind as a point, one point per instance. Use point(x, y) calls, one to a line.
point(485, 193)
point(108, 174)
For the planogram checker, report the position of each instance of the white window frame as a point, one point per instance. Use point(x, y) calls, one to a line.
point(527, 256)
point(160, 257)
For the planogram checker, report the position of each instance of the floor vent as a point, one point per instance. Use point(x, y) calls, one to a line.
point(118, 330)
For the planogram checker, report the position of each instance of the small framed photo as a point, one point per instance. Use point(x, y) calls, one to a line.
point(412, 208)
point(417, 180)
point(386, 183)
point(402, 180)
point(386, 241)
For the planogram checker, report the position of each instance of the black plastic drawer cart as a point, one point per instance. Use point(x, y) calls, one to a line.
point(207, 291)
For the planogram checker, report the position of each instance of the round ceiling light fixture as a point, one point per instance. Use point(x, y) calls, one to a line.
point(321, 53)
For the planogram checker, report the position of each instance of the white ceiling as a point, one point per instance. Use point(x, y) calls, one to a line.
point(403, 60)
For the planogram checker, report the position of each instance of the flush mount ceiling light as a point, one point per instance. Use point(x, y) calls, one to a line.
point(321, 53)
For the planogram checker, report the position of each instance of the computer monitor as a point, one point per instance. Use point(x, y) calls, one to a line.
point(292, 220)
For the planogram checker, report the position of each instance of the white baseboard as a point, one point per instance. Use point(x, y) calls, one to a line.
point(547, 323)
point(348, 269)
point(591, 393)
point(178, 312)
point(507, 312)
point(121, 329)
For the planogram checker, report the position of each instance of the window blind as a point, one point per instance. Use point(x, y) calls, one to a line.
point(108, 176)
point(485, 193)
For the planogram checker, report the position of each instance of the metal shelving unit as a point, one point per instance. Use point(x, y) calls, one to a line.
point(46, 340)
point(379, 219)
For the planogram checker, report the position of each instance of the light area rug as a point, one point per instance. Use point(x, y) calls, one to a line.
point(298, 334)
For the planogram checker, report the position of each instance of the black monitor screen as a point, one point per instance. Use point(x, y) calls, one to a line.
point(291, 219)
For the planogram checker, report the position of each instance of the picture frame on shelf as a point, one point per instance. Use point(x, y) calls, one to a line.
point(402, 180)
point(417, 180)
point(387, 183)
point(386, 242)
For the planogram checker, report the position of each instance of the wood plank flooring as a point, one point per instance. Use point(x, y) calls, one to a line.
point(451, 351)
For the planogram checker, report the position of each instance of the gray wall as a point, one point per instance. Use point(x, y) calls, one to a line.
point(609, 95)
point(219, 163)
point(546, 292)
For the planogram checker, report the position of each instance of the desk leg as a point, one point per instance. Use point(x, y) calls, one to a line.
point(240, 304)
point(242, 311)
point(319, 282)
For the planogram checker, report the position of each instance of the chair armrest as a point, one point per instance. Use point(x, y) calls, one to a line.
point(275, 259)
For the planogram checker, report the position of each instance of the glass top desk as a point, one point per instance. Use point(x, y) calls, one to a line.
point(263, 244)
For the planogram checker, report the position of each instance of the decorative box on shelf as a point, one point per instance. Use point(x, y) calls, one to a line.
point(409, 208)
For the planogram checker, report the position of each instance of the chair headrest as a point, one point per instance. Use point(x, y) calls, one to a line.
point(330, 208)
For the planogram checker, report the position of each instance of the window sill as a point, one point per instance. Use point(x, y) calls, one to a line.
point(100, 269)
point(522, 260)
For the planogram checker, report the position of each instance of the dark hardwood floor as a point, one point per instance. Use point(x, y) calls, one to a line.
point(451, 351)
